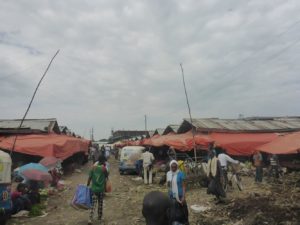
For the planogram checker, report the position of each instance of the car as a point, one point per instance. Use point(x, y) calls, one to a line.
point(129, 156)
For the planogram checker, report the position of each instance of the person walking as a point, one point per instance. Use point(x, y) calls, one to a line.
point(98, 175)
point(224, 160)
point(148, 160)
point(258, 164)
point(214, 174)
point(176, 183)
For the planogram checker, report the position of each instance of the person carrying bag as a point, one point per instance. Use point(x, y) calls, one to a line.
point(98, 176)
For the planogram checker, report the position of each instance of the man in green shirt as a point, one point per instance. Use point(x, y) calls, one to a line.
point(98, 175)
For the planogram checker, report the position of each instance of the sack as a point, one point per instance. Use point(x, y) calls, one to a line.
point(108, 186)
point(82, 198)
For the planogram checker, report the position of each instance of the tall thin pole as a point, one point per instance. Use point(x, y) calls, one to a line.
point(92, 138)
point(189, 109)
point(34, 93)
point(145, 122)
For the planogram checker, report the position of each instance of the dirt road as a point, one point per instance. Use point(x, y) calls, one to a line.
point(123, 206)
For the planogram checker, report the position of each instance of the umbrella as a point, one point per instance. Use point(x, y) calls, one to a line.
point(50, 162)
point(33, 166)
point(37, 175)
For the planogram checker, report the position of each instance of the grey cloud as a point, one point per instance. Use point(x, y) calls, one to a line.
point(119, 60)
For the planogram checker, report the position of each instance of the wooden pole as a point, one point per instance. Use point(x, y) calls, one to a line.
point(190, 114)
point(34, 93)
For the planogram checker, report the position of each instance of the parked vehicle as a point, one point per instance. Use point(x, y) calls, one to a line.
point(129, 156)
point(5, 183)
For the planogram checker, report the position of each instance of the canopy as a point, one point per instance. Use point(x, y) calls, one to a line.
point(239, 144)
point(242, 144)
point(50, 162)
point(285, 144)
point(36, 175)
point(33, 166)
point(181, 142)
point(59, 146)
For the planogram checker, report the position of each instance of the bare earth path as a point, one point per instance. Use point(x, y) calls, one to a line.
point(124, 205)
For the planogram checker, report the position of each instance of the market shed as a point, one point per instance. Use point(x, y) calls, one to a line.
point(247, 125)
point(171, 129)
point(158, 131)
point(30, 126)
point(45, 145)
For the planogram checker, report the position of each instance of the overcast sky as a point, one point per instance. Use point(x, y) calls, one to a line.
point(119, 60)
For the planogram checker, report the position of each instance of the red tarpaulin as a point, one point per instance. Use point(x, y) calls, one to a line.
point(59, 146)
point(242, 144)
point(200, 140)
point(181, 142)
point(285, 144)
point(184, 142)
point(156, 141)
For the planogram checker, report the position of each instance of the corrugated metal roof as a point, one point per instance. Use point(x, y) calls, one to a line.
point(43, 125)
point(151, 133)
point(64, 129)
point(171, 128)
point(247, 124)
point(159, 131)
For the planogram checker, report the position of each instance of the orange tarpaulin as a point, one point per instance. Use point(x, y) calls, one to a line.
point(182, 142)
point(59, 146)
point(200, 139)
point(179, 141)
point(157, 140)
point(285, 144)
point(242, 144)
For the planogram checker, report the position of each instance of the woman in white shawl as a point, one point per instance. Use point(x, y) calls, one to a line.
point(176, 185)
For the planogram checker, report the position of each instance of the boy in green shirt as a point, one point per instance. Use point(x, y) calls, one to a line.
point(98, 176)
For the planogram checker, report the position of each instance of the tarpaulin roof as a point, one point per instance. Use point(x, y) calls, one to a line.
point(284, 144)
point(243, 144)
point(157, 140)
point(182, 142)
point(240, 144)
point(59, 146)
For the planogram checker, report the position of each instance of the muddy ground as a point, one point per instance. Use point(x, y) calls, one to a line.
point(278, 203)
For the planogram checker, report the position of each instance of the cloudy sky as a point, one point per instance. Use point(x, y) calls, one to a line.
point(119, 60)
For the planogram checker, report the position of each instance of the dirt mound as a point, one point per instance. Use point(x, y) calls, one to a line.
point(263, 210)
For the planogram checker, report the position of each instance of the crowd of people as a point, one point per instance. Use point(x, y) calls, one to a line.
point(217, 169)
